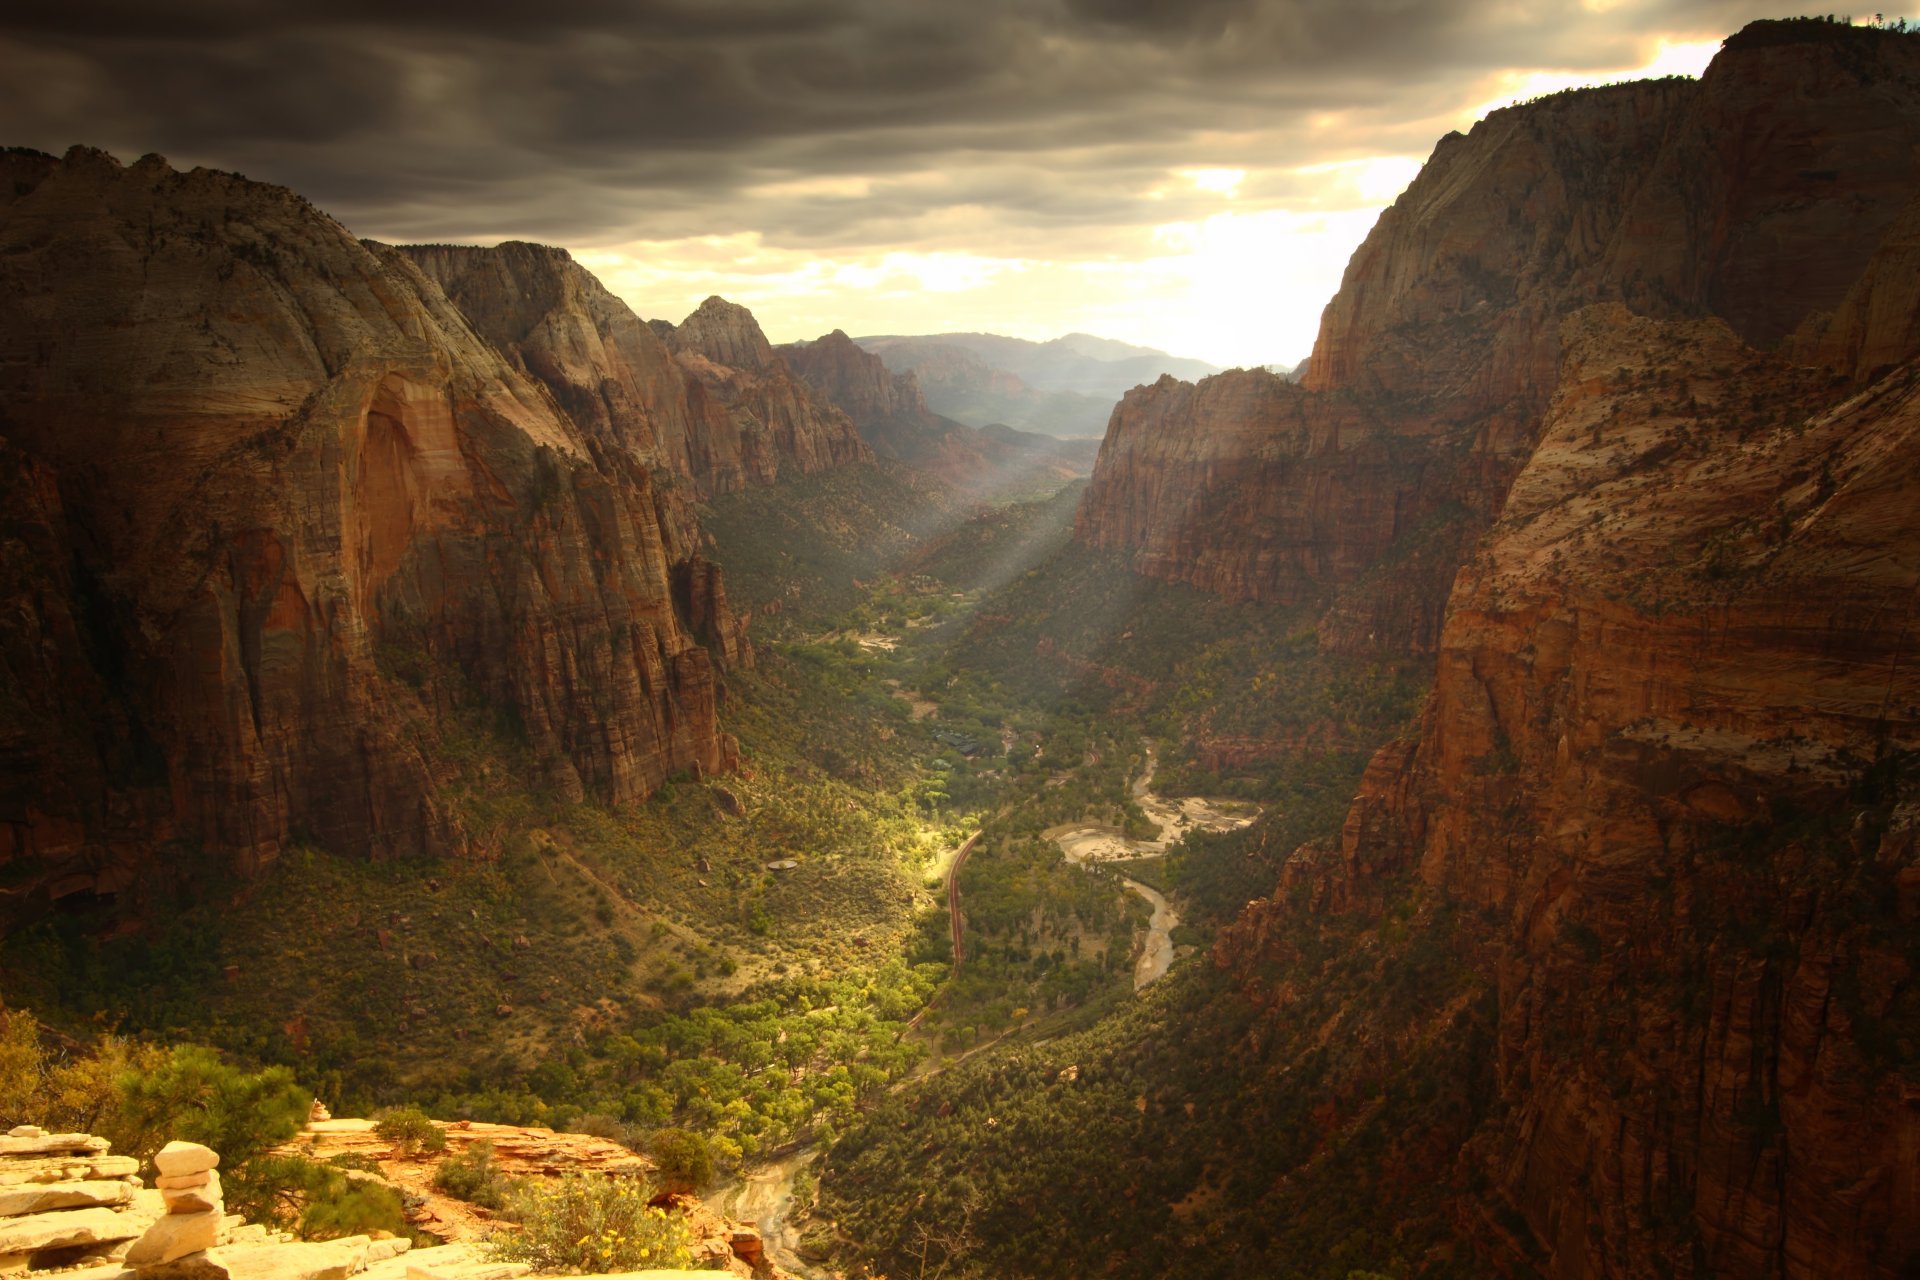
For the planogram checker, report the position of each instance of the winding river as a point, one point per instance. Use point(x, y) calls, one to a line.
point(765, 1198)
point(1085, 844)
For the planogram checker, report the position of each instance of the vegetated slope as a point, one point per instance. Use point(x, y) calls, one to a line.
point(287, 511)
point(1756, 194)
point(893, 416)
point(800, 553)
point(675, 407)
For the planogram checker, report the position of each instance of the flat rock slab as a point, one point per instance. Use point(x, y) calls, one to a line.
point(313, 1260)
point(40, 1197)
point(64, 1228)
point(54, 1144)
point(15, 1170)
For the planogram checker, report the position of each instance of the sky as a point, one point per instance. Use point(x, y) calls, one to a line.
point(1190, 175)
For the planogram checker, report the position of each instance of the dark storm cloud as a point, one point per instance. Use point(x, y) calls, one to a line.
point(598, 121)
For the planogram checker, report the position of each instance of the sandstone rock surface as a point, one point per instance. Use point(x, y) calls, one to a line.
point(282, 506)
point(184, 1159)
point(620, 380)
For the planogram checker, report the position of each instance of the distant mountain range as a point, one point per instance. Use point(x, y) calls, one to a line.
point(1066, 387)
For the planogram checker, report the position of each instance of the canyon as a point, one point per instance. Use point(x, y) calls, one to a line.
point(1603, 967)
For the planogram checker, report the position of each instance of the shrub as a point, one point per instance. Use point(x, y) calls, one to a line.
point(596, 1125)
point(682, 1160)
point(472, 1176)
point(409, 1130)
point(593, 1225)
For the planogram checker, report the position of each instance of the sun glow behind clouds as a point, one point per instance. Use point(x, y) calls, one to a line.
point(1239, 279)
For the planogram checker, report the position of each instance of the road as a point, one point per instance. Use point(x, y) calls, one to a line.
point(955, 921)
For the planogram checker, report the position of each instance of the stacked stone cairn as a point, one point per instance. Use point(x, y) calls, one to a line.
point(189, 1183)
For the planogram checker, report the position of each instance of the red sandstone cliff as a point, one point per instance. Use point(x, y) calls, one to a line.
point(723, 415)
point(1757, 194)
point(279, 508)
point(1668, 783)
point(1666, 750)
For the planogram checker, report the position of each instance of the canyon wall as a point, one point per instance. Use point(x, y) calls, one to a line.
point(1669, 756)
point(1667, 786)
point(279, 511)
point(1756, 194)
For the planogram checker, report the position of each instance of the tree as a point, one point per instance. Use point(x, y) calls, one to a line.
point(193, 1096)
point(682, 1160)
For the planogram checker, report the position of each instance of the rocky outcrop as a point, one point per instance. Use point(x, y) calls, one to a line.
point(1249, 487)
point(64, 1200)
point(1757, 194)
point(725, 333)
point(516, 1152)
point(282, 508)
point(1675, 689)
point(1669, 762)
point(723, 415)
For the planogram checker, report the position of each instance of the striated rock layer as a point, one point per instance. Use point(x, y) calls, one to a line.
point(1667, 786)
point(715, 408)
point(278, 507)
point(1666, 748)
point(1672, 765)
point(1757, 194)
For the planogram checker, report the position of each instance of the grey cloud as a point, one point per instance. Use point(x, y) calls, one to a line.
point(595, 121)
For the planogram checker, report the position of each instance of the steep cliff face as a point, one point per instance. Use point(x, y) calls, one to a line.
point(1665, 797)
point(1757, 194)
point(1247, 486)
point(723, 415)
point(894, 418)
point(284, 508)
point(770, 422)
point(1668, 752)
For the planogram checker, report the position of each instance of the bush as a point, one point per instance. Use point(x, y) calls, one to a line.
point(472, 1176)
point(682, 1160)
point(409, 1130)
point(593, 1225)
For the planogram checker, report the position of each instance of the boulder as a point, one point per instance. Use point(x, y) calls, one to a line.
point(179, 1158)
point(175, 1236)
point(195, 1200)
